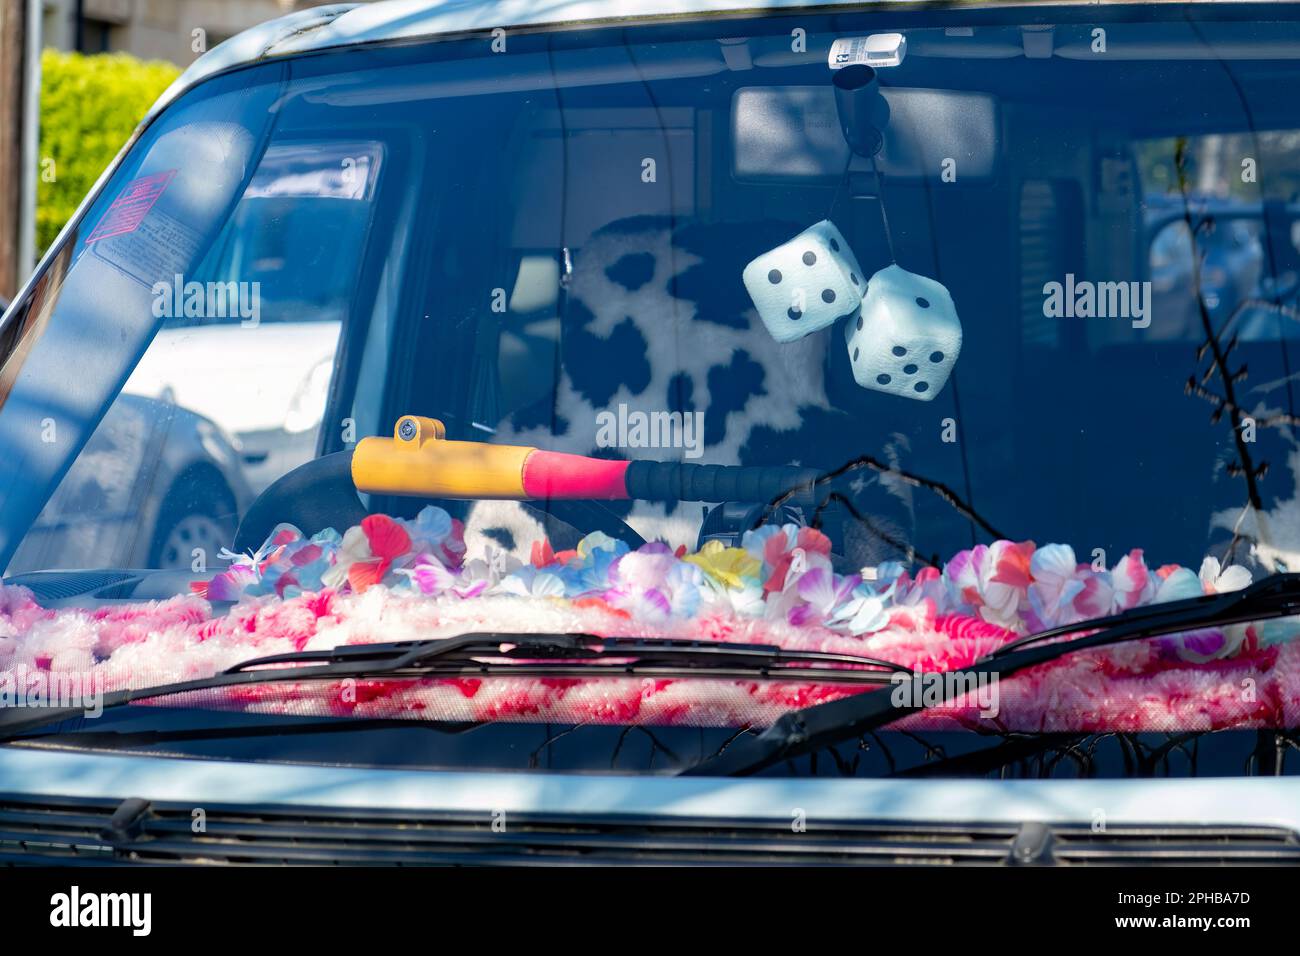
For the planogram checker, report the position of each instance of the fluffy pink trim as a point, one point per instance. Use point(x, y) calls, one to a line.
point(1128, 688)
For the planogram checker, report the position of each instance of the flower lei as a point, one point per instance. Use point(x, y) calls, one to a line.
point(779, 573)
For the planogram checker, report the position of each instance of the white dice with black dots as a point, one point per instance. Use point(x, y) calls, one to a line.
point(906, 338)
point(805, 284)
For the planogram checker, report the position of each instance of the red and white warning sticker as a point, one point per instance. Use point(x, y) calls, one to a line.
point(131, 206)
point(155, 251)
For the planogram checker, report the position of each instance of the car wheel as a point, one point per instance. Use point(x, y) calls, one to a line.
point(194, 515)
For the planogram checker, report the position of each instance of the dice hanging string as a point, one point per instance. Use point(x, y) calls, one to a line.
point(839, 187)
point(880, 201)
point(884, 214)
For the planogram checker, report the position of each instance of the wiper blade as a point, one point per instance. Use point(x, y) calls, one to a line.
point(402, 655)
point(813, 728)
point(522, 655)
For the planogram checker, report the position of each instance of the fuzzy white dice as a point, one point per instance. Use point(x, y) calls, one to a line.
point(805, 284)
point(906, 338)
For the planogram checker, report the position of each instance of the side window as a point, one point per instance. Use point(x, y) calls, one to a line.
point(230, 393)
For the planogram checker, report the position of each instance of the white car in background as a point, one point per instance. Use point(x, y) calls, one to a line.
point(293, 242)
point(177, 514)
point(288, 365)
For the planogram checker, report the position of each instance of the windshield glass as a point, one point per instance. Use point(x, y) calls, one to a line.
point(1027, 295)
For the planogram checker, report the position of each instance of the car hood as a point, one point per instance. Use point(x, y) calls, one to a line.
point(29, 772)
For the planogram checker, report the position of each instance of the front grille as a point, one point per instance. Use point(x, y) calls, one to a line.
point(87, 832)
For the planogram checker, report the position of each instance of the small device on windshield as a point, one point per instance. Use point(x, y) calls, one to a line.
point(879, 49)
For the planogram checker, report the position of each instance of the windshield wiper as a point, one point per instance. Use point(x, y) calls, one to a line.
point(813, 728)
point(518, 655)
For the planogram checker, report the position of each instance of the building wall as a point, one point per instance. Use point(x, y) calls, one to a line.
point(157, 29)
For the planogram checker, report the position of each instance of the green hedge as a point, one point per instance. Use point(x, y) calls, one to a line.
point(89, 107)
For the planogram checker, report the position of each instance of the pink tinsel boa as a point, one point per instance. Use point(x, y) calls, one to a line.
point(1135, 687)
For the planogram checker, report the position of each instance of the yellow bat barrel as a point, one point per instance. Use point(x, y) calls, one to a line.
point(419, 461)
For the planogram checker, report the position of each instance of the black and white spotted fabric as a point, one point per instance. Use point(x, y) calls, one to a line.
point(659, 320)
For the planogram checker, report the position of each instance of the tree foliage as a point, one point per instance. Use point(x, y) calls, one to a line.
point(89, 107)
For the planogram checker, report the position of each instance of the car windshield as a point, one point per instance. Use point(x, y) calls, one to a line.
point(986, 318)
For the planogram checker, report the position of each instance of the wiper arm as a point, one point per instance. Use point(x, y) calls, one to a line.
point(525, 655)
point(813, 728)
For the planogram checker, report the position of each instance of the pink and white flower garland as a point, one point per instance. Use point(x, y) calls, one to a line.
point(394, 579)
